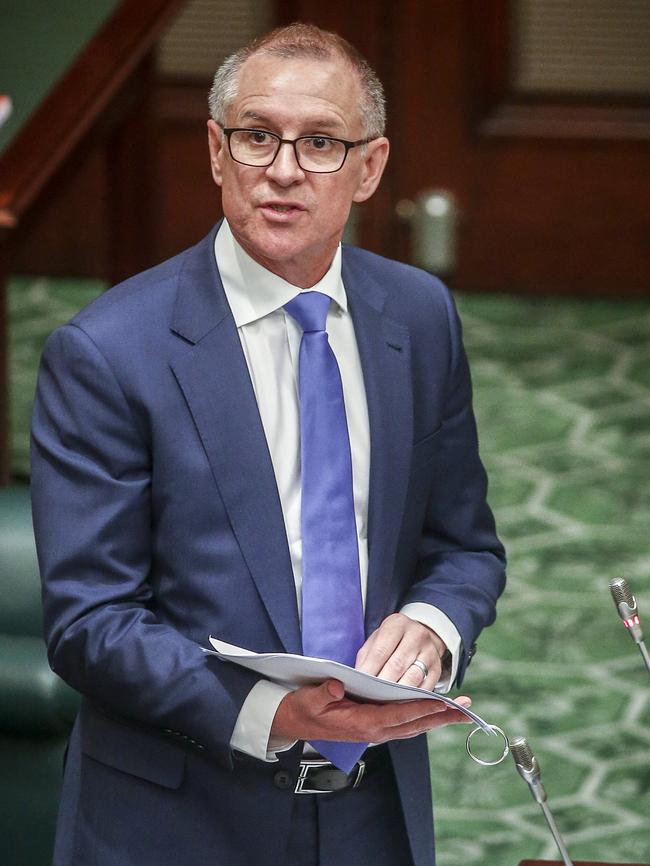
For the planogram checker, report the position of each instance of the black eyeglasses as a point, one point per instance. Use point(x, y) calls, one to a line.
point(315, 153)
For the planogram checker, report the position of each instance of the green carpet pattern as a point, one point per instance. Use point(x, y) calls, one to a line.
point(562, 393)
point(35, 306)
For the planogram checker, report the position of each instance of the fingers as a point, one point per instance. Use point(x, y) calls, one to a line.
point(438, 716)
point(380, 646)
point(415, 676)
point(390, 651)
point(334, 689)
point(447, 716)
point(405, 712)
point(324, 713)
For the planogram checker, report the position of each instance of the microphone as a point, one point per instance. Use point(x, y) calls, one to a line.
point(628, 611)
point(528, 768)
point(626, 606)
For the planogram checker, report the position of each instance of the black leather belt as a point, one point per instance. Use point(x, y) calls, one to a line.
point(318, 776)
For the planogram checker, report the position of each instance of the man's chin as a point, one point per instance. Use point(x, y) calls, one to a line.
point(283, 249)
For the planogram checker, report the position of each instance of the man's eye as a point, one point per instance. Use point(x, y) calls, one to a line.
point(257, 137)
point(321, 144)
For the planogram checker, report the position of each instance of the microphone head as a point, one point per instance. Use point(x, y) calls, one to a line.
point(523, 754)
point(621, 592)
point(528, 767)
point(626, 607)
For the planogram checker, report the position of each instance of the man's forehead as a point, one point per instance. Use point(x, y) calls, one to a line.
point(330, 80)
point(317, 92)
point(313, 63)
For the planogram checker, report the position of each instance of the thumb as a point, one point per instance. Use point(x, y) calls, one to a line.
point(332, 690)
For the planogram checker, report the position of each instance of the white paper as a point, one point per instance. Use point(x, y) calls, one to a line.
point(294, 671)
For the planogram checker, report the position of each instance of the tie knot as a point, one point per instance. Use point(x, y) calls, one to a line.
point(309, 309)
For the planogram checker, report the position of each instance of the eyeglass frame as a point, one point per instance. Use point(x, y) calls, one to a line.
point(228, 130)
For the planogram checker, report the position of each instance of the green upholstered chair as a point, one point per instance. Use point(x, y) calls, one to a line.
point(36, 707)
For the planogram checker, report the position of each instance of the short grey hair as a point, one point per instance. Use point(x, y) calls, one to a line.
point(302, 40)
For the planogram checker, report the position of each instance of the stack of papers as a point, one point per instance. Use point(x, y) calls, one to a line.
point(294, 671)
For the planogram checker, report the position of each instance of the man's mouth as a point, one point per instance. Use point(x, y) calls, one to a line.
point(282, 207)
point(282, 213)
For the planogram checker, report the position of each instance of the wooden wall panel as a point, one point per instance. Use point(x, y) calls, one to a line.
point(67, 235)
point(540, 213)
point(189, 202)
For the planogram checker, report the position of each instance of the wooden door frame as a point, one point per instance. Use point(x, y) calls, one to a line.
point(501, 112)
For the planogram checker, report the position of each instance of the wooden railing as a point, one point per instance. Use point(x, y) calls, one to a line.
point(103, 94)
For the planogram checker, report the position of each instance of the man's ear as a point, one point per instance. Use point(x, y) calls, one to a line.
point(374, 163)
point(216, 143)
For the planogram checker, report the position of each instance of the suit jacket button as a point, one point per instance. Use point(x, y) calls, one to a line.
point(282, 779)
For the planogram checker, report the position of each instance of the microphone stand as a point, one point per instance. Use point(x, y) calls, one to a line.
point(552, 826)
point(528, 769)
point(645, 654)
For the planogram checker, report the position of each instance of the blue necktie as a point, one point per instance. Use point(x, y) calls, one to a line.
point(332, 610)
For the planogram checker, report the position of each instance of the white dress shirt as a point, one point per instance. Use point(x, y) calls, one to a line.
point(270, 339)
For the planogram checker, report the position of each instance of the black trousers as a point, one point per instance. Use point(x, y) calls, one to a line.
point(361, 826)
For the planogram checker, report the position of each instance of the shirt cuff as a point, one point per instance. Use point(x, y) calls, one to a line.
point(252, 731)
point(435, 619)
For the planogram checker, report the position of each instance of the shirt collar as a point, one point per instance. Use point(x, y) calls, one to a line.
point(253, 291)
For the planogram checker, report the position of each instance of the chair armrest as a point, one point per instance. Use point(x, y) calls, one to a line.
point(33, 699)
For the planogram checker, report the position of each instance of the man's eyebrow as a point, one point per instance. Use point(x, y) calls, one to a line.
point(255, 116)
point(313, 123)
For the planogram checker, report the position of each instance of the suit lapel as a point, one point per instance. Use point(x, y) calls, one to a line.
point(214, 378)
point(384, 349)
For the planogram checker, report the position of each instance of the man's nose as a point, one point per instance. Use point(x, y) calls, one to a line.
point(285, 168)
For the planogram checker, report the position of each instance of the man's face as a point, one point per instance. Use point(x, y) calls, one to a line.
point(289, 220)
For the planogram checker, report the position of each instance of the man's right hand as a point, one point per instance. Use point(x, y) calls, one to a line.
point(324, 713)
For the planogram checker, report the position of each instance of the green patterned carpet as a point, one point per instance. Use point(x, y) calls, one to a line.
point(562, 392)
point(35, 307)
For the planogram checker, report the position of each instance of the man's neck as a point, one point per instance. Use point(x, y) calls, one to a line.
point(303, 274)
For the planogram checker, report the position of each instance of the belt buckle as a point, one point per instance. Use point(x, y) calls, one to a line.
point(308, 764)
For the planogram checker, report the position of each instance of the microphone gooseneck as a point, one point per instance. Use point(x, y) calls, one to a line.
point(528, 768)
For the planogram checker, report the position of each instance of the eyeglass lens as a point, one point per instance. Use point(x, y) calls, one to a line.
point(254, 147)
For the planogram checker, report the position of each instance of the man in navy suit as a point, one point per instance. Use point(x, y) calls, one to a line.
point(167, 504)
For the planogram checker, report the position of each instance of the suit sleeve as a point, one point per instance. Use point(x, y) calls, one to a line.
point(461, 562)
point(91, 486)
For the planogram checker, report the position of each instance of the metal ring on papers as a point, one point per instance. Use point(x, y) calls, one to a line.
point(502, 757)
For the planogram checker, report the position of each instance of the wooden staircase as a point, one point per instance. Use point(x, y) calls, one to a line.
point(103, 96)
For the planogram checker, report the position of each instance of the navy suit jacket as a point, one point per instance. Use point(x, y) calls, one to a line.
point(158, 521)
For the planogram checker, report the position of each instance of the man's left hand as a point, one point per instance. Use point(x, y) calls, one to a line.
point(391, 650)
